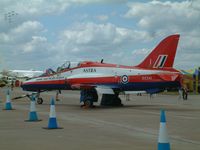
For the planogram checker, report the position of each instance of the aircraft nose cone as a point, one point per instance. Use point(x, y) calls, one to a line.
point(24, 86)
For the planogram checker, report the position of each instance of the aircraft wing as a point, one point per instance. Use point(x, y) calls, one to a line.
point(108, 89)
point(168, 77)
point(102, 89)
point(82, 86)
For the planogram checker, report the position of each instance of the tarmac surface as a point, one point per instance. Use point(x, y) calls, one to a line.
point(133, 126)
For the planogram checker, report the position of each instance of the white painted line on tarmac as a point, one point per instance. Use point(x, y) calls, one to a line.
point(113, 126)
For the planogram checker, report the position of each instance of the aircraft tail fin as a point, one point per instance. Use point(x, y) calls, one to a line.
point(163, 54)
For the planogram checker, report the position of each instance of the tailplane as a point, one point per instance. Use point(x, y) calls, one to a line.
point(163, 54)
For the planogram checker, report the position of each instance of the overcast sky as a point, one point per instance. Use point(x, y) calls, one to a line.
point(38, 34)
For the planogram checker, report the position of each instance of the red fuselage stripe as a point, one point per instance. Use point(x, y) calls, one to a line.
point(96, 80)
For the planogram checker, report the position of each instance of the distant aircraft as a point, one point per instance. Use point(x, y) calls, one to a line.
point(3, 82)
point(25, 73)
point(153, 75)
point(7, 77)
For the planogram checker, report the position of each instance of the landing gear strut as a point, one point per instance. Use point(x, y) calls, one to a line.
point(88, 96)
point(57, 93)
point(38, 98)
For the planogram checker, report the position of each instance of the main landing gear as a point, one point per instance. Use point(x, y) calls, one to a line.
point(89, 96)
point(111, 100)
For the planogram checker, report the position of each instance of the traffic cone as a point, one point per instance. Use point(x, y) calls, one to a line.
point(8, 105)
point(163, 139)
point(52, 117)
point(33, 114)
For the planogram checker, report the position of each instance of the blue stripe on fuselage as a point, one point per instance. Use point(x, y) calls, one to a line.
point(40, 87)
point(133, 86)
point(137, 86)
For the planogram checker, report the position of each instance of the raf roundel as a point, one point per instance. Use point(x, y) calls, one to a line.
point(124, 79)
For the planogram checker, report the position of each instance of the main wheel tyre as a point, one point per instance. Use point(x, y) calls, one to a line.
point(39, 100)
point(88, 103)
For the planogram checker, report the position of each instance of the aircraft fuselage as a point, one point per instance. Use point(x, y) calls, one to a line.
point(124, 78)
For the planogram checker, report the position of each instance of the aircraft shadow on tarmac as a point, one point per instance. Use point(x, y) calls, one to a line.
point(153, 107)
point(136, 107)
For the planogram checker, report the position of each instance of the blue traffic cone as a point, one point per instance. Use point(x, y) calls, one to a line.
point(8, 105)
point(33, 114)
point(52, 117)
point(163, 139)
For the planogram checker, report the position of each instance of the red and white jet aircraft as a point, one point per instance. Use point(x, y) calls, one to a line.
point(153, 75)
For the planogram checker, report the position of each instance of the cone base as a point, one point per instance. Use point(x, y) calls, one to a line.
point(52, 123)
point(33, 120)
point(52, 128)
point(8, 106)
point(8, 109)
point(163, 146)
point(33, 116)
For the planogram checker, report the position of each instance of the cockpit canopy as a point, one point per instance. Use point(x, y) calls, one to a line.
point(68, 65)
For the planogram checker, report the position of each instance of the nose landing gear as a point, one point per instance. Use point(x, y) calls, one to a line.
point(40, 100)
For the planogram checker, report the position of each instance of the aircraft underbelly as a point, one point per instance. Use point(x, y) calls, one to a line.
point(37, 87)
point(137, 86)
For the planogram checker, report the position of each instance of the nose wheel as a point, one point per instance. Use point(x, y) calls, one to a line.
point(39, 100)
